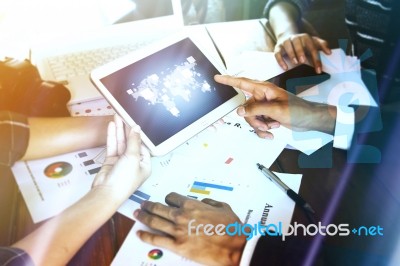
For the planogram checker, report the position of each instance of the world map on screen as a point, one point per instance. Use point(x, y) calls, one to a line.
point(164, 88)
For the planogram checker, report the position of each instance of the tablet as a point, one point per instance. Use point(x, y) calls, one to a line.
point(299, 78)
point(168, 89)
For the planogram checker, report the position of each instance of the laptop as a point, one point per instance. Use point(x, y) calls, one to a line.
point(127, 25)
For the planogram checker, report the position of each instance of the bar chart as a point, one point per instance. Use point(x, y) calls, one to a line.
point(206, 188)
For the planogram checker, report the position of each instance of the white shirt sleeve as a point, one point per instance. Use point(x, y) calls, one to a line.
point(344, 128)
point(248, 251)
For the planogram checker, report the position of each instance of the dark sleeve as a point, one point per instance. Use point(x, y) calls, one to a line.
point(14, 257)
point(370, 198)
point(297, 250)
point(14, 137)
point(275, 251)
point(301, 5)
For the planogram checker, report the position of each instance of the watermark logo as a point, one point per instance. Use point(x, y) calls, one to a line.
point(259, 229)
point(353, 90)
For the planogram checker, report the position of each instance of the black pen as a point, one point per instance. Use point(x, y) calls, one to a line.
point(293, 195)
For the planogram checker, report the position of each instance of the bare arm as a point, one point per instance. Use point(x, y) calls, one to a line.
point(126, 166)
point(57, 240)
point(54, 136)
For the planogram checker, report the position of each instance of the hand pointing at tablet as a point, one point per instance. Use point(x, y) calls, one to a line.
point(271, 106)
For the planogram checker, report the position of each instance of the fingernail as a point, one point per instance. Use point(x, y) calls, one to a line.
point(284, 67)
point(319, 70)
point(274, 125)
point(136, 128)
point(241, 111)
point(302, 59)
point(295, 60)
point(136, 213)
point(269, 137)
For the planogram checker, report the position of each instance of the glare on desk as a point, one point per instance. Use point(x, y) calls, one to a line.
point(23, 22)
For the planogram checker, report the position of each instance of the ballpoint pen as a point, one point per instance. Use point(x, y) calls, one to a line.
point(293, 195)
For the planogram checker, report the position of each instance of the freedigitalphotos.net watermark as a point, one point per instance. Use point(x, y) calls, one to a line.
point(251, 230)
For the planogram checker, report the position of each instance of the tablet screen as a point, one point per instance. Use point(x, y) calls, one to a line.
point(299, 79)
point(168, 90)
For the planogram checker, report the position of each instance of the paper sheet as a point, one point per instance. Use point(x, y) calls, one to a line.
point(254, 65)
point(97, 107)
point(306, 142)
point(50, 185)
point(218, 164)
point(345, 85)
point(235, 181)
point(136, 252)
point(225, 143)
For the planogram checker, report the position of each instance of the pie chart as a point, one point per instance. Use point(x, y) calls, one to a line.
point(58, 169)
point(155, 254)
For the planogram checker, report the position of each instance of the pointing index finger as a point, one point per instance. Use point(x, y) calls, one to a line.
point(240, 83)
point(261, 90)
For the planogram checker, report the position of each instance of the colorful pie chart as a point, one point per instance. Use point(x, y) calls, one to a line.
point(155, 254)
point(58, 169)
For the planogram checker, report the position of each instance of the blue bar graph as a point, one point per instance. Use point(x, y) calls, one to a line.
point(139, 196)
point(205, 185)
point(201, 187)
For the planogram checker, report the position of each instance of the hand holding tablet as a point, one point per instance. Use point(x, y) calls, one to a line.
point(169, 90)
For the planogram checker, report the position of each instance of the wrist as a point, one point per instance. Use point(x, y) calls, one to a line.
point(323, 118)
point(286, 33)
point(236, 254)
point(107, 196)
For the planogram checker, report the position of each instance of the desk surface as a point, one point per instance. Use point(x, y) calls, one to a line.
point(317, 185)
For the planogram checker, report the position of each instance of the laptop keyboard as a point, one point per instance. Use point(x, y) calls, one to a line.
point(67, 66)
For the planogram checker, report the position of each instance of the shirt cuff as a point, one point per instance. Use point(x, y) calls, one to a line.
point(248, 251)
point(344, 128)
point(14, 137)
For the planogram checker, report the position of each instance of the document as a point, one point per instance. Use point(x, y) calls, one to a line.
point(223, 145)
point(51, 185)
point(220, 163)
point(234, 180)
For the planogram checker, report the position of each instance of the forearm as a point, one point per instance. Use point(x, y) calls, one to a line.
point(53, 136)
point(283, 18)
point(57, 240)
point(323, 118)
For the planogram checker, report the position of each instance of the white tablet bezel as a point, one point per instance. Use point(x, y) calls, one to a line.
point(191, 130)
